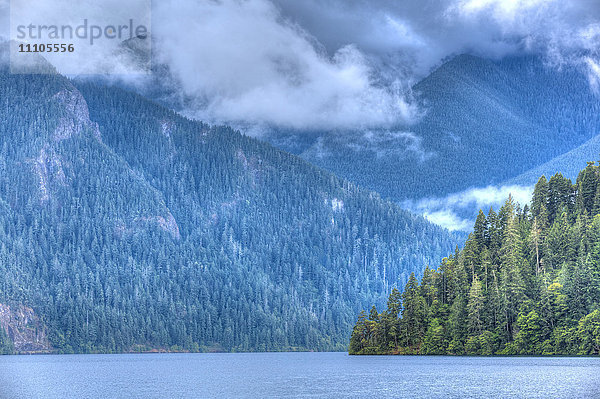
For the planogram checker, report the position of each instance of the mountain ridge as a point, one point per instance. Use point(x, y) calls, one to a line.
point(128, 226)
point(479, 110)
point(568, 164)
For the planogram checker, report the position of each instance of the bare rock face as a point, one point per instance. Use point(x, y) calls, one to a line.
point(24, 329)
point(75, 121)
point(49, 170)
point(77, 116)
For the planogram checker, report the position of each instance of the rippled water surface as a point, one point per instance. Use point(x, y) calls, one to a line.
point(301, 375)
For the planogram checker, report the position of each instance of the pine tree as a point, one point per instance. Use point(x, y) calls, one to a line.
point(539, 291)
point(596, 208)
point(360, 334)
point(480, 231)
point(475, 307)
point(394, 307)
point(588, 333)
point(512, 265)
point(560, 196)
point(540, 198)
point(413, 313)
point(587, 183)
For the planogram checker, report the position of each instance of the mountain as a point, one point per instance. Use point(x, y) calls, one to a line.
point(526, 283)
point(568, 164)
point(125, 227)
point(478, 113)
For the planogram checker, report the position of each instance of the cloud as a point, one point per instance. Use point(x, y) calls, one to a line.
point(246, 63)
point(503, 11)
point(349, 64)
point(341, 64)
point(431, 30)
point(449, 220)
point(448, 211)
point(388, 143)
point(593, 73)
point(4, 19)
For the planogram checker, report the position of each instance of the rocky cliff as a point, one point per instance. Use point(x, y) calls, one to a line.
point(24, 329)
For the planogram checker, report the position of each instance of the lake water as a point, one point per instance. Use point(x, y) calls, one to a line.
point(300, 375)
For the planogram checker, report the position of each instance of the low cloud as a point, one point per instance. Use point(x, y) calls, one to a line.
point(386, 144)
point(341, 64)
point(593, 74)
point(349, 65)
point(246, 63)
point(449, 220)
point(420, 34)
point(455, 211)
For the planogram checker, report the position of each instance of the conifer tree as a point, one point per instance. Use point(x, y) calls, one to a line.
point(512, 265)
point(530, 286)
point(475, 307)
point(413, 312)
point(480, 230)
point(540, 198)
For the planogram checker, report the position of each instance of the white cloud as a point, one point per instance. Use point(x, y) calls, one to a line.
point(593, 73)
point(430, 30)
point(345, 64)
point(446, 211)
point(502, 9)
point(449, 220)
point(246, 63)
point(340, 64)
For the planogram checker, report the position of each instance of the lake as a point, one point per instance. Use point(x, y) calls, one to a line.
point(300, 375)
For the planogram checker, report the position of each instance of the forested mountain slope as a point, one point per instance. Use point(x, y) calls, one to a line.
point(125, 227)
point(568, 164)
point(479, 113)
point(526, 283)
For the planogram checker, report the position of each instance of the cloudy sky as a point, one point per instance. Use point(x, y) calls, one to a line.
point(349, 63)
point(310, 65)
point(340, 64)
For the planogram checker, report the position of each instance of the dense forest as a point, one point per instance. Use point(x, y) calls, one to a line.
point(128, 227)
point(526, 282)
point(523, 108)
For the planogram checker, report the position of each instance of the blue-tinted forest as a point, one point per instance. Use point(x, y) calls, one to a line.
point(128, 227)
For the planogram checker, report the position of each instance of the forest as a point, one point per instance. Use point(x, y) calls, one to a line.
point(518, 108)
point(128, 227)
point(527, 282)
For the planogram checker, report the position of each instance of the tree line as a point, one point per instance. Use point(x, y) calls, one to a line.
point(163, 232)
point(527, 282)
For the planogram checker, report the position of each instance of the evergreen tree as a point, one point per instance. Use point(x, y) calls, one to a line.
point(526, 288)
point(475, 307)
point(512, 264)
point(413, 313)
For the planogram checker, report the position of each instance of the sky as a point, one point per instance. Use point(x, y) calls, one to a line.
point(338, 64)
point(349, 64)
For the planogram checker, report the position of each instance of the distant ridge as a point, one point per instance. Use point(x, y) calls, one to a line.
point(518, 111)
point(568, 164)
